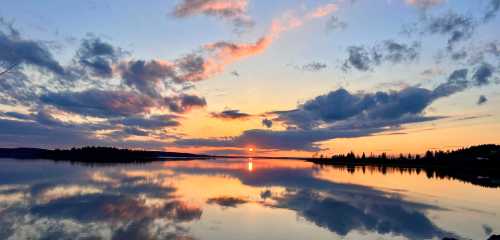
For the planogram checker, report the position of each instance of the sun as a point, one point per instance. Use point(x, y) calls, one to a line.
point(251, 150)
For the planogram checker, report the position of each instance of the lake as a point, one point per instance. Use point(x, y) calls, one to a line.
point(238, 199)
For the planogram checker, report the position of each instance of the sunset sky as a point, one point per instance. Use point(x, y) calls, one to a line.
point(285, 77)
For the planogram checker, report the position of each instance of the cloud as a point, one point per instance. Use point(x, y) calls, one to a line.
point(424, 4)
point(491, 12)
point(482, 100)
point(313, 67)
point(100, 103)
point(394, 52)
point(43, 129)
point(483, 74)
point(359, 59)
point(359, 208)
point(227, 201)
point(267, 123)
point(457, 82)
point(334, 23)
point(222, 53)
point(14, 50)
point(371, 213)
point(123, 107)
point(341, 114)
point(234, 11)
point(363, 59)
point(98, 56)
point(456, 27)
point(293, 140)
point(184, 103)
point(362, 108)
point(147, 77)
point(151, 122)
point(324, 10)
point(231, 115)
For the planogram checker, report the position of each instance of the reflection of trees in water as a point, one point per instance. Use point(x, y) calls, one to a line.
point(481, 177)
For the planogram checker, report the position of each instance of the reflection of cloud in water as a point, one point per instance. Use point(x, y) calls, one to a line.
point(343, 214)
point(67, 191)
point(339, 207)
point(102, 207)
point(140, 202)
point(109, 203)
point(227, 201)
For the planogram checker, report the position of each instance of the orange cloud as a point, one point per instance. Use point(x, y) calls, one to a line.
point(324, 10)
point(224, 53)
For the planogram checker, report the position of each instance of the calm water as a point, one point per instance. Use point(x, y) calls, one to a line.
point(237, 199)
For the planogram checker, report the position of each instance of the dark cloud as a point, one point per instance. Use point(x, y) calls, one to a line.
point(230, 115)
point(98, 56)
point(184, 103)
point(482, 100)
point(192, 68)
point(154, 77)
point(266, 194)
point(492, 10)
point(313, 67)
point(14, 50)
point(474, 54)
point(340, 105)
point(41, 128)
point(235, 73)
point(483, 74)
point(100, 103)
point(334, 23)
point(151, 122)
point(227, 201)
point(363, 58)
point(457, 81)
point(456, 27)
point(17, 133)
point(394, 52)
point(359, 58)
point(147, 77)
point(267, 123)
point(234, 11)
point(304, 140)
point(341, 114)
point(16, 115)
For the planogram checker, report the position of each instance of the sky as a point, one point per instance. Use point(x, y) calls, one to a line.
point(286, 78)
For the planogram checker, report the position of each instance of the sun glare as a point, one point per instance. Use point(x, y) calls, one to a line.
point(250, 165)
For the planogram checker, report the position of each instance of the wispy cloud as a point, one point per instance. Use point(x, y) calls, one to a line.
point(424, 3)
point(234, 11)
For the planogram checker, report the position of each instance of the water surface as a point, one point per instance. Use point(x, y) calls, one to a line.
point(237, 199)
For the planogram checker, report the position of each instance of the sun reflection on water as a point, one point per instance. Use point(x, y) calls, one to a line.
point(250, 165)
